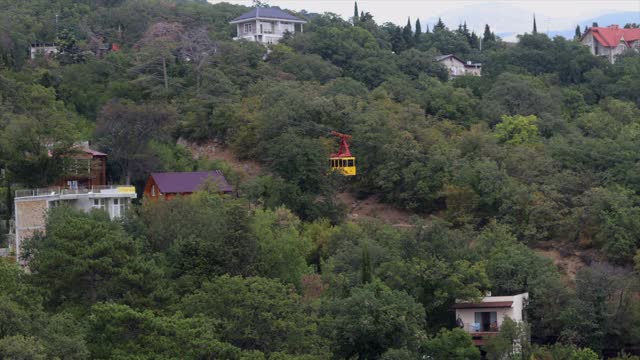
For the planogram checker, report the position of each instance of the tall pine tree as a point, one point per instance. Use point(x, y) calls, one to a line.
point(578, 32)
point(487, 33)
point(355, 13)
point(535, 28)
point(439, 26)
point(407, 34)
point(418, 30)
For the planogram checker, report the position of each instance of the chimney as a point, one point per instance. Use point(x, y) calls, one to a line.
point(613, 27)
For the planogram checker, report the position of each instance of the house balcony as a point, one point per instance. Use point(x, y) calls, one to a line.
point(480, 333)
point(71, 192)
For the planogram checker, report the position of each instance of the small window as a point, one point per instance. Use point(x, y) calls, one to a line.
point(98, 204)
point(350, 163)
point(248, 28)
point(153, 190)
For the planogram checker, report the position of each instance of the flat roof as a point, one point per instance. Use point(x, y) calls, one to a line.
point(484, 305)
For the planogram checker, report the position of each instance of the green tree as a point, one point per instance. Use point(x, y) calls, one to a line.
point(535, 28)
point(407, 34)
point(282, 249)
point(512, 342)
point(371, 320)
point(355, 13)
point(85, 258)
point(418, 31)
point(518, 130)
point(453, 344)
point(254, 313)
point(22, 348)
point(578, 33)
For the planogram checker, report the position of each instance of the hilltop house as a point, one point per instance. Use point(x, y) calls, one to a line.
point(457, 67)
point(168, 185)
point(266, 25)
point(31, 206)
point(42, 49)
point(483, 319)
point(610, 41)
point(84, 168)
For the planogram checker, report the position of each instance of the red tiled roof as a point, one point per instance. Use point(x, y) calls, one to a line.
point(612, 35)
point(493, 304)
point(188, 182)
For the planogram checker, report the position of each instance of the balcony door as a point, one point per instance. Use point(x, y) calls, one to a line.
point(486, 321)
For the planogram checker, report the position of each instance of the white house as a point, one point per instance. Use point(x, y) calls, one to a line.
point(457, 67)
point(31, 206)
point(484, 319)
point(266, 25)
point(42, 49)
point(610, 41)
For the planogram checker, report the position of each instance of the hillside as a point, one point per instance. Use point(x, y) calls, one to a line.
point(524, 179)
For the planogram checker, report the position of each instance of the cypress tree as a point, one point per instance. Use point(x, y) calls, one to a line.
point(578, 32)
point(355, 13)
point(474, 41)
point(366, 266)
point(535, 28)
point(418, 29)
point(487, 33)
point(407, 34)
point(427, 31)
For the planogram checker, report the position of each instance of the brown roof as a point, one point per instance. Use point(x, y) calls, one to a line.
point(492, 304)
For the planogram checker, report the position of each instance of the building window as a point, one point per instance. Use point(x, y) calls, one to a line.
point(99, 204)
point(72, 184)
point(248, 28)
point(118, 208)
point(486, 321)
point(153, 190)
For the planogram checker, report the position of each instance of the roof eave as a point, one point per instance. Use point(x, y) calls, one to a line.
point(299, 21)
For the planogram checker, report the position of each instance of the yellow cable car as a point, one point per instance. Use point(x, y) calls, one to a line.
point(345, 165)
point(343, 161)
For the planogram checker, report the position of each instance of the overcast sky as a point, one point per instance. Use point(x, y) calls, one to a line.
point(555, 13)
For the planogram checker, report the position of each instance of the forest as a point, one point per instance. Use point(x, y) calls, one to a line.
point(542, 151)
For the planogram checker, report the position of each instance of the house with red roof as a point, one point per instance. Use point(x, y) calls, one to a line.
point(611, 41)
point(170, 184)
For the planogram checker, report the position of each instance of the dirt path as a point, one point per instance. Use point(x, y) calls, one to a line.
point(214, 151)
point(371, 208)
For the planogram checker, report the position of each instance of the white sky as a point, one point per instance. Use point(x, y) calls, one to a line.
point(397, 11)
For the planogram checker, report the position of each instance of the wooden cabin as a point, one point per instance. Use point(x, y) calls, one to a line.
point(169, 184)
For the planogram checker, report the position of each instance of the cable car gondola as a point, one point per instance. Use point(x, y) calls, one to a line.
point(343, 161)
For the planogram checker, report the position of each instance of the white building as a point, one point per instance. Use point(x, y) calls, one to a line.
point(457, 67)
point(31, 206)
point(610, 41)
point(42, 49)
point(484, 319)
point(266, 25)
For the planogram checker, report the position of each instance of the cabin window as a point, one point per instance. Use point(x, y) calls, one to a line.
point(118, 208)
point(486, 321)
point(153, 190)
point(98, 204)
point(350, 163)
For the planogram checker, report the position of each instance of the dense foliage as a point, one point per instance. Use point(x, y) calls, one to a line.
point(540, 151)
